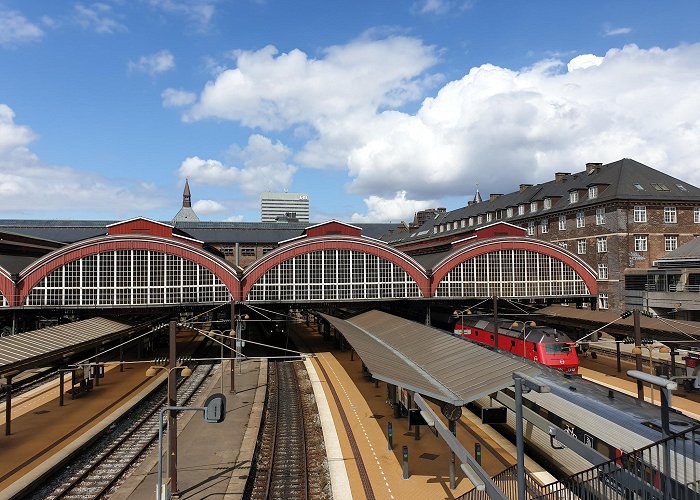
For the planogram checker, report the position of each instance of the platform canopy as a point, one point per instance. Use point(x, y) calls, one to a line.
point(41, 347)
point(428, 360)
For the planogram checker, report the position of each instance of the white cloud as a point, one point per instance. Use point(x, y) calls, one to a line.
point(208, 207)
point(274, 91)
point(617, 31)
point(29, 186)
point(265, 167)
point(160, 62)
point(177, 98)
point(584, 61)
point(235, 218)
point(199, 13)
point(439, 7)
point(393, 209)
point(494, 126)
point(16, 29)
point(97, 17)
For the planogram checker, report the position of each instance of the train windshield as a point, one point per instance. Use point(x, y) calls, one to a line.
point(557, 348)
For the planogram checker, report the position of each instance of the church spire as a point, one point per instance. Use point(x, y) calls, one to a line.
point(186, 213)
point(477, 195)
point(186, 196)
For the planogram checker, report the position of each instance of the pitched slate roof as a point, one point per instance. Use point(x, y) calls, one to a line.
point(624, 179)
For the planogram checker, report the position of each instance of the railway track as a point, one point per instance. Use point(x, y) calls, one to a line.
point(100, 468)
point(291, 458)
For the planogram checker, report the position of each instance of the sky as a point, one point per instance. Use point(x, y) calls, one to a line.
point(375, 109)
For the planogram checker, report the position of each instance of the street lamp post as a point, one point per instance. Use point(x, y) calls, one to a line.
point(172, 425)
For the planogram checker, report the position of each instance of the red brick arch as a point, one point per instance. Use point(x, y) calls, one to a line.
point(7, 286)
point(308, 245)
point(583, 270)
point(38, 270)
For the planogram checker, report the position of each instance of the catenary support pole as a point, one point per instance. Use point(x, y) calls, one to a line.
point(172, 414)
point(638, 358)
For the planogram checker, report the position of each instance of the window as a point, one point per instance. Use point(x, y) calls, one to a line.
point(599, 216)
point(670, 215)
point(464, 223)
point(227, 250)
point(602, 271)
point(267, 250)
point(509, 212)
point(696, 215)
point(581, 246)
point(544, 226)
point(531, 228)
point(602, 301)
point(670, 243)
point(602, 244)
point(547, 203)
point(435, 228)
point(489, 216)
point(533, 206)
point(592, 192)
point(471, 221)
point(521, 209)
point(248, 252)
point(580, 219)
point(479, 219)
point(562, 223)
point(640, 213)
point(564, 244)
point(638, 186)
point(660, 187)
point(681, 187)
point(442, 228)
point(573, 196)
point(640, 243)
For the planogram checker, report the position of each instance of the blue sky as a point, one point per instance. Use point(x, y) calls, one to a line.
point(376, 109)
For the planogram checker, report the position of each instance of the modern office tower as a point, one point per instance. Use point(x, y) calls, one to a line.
point(284, 207)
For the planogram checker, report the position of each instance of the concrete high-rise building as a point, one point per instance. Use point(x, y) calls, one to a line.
point(284, 207)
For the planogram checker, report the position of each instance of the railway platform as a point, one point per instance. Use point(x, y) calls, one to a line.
point(213, 459)
point(360, 415)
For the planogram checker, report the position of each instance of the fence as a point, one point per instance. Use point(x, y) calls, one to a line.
point(665, 470)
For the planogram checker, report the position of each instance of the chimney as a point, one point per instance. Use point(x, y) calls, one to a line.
point(523, 187)
point(560, 177)
point(592, 168)
point(493, 196)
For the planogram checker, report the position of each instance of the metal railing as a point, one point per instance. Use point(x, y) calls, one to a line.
point(665, 470)
point(668, 469)
point(671, 287)
point(507, 482)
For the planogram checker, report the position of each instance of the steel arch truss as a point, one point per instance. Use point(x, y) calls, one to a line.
point(334, 269)
point(513, 268)
point(127, 270)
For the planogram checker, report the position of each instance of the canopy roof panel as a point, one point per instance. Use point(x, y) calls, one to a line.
point(427, 360)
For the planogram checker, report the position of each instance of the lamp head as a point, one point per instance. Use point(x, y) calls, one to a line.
point(151, 371)
point(186, 372)
point(636, 350)
point(663, 349)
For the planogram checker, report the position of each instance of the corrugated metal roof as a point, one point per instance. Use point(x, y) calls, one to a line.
point(427, 360)
point(21, 350)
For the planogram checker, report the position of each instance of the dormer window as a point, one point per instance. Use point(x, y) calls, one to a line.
point(573, 196)
point(471, 221)
point(442, 228)
point(509, 212)
point(489, 216)
point(592, 192)
point(479, 219)
point(521, 209)
point(533, 206)
point(547, 203)
point(464, 222)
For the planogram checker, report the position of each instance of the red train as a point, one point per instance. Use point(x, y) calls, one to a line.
point(539, 343)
